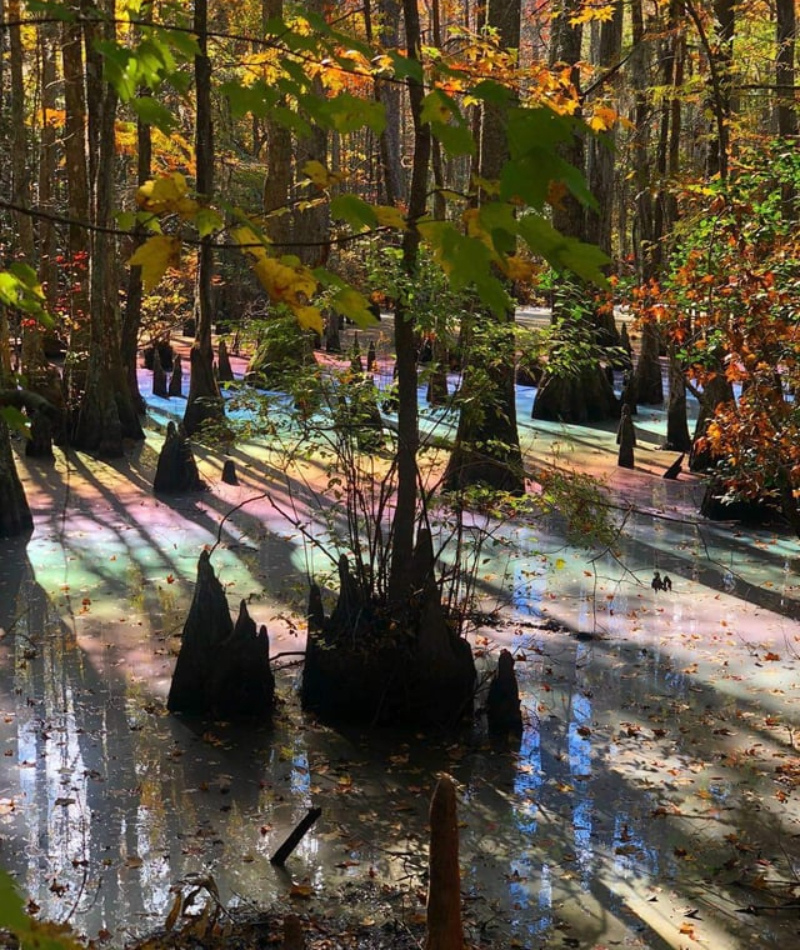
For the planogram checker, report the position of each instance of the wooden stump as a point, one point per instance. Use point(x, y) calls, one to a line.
point(159, 376)
point(40, 443)
point(400, 665)
point(176, 379)
point(224, 364)
point(444, 930)
point(176, 471)
point(626, 439)
point(229, 472)
point(222, 670)
point(503, 709)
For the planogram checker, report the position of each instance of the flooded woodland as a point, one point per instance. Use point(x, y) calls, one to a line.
point(652, 800)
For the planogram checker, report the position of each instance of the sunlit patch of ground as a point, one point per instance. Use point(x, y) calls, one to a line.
point(653, 800)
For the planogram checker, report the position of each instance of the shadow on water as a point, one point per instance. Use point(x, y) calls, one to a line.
point(651, 796)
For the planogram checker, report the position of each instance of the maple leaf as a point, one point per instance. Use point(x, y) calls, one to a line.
point(154, 257)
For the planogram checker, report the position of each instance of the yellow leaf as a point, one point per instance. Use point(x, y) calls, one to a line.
point(154, 257)
point(161, 195)
point(389, 217)
point(517, 268)
point(175, 910)
point(560, 564)
point(320, 175)
point(309, 318)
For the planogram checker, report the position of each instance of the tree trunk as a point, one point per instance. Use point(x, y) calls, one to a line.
point(106, 415)
point(132, 319)
point(405, 349)
point(487, 449)
point(678, 438)
point(15, 515)
point(204, 403)
point(587, 394)
point(717, 391)
point(77, 178)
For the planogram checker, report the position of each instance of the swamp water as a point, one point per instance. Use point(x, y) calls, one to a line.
point(654, 799)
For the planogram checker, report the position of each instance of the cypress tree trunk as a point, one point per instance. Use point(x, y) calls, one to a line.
point(204, 403)
point(407, 412)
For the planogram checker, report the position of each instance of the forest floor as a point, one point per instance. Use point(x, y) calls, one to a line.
point(653, 800)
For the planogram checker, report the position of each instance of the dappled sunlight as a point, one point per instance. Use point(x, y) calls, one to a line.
point(651, 800)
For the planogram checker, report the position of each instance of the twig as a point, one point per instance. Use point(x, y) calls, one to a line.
point(295, 837)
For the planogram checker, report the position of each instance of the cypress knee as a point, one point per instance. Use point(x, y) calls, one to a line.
point(444, 929)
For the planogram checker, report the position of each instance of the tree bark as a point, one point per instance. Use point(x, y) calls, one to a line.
point(407, 414)
point(204, 403)
point(106, 415)
point(487, 449)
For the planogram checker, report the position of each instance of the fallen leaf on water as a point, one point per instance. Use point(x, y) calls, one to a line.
point(301, 891)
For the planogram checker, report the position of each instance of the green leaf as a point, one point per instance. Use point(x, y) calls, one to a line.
point(438, 107)
point(354, 210)
point(528, 178)
point(56, 10)
point(118, 68)
point(20, 288)
point(492, 92)
point(537, 129)
point(126, 220)
point(441, 112)
point(457, 139)
point(494, 295)
point(207, 221)
point(154, 113)
point(406, 68)
point(16, 420)
point(564, 253)
point(256, 100)
point(354, 305)
point(181, 40)
point(347, 113)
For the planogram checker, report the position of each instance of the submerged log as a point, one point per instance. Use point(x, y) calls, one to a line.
point(444, 930)
point(222, 670)
point(176, 471)
point(675, 469)
point(503, 708)
point(375, 663)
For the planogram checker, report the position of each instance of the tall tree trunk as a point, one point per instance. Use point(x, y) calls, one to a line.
point(205, 400)
point(15, 515)
point(589, 394)
point(106, 415)
point(407, 413)
point(278, 181)
point(77, 178)
point(132, 319)
point(487, 449)
point(785, 72)
point(390, 94)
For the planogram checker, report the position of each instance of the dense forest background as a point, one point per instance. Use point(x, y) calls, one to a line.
point(190, 168)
